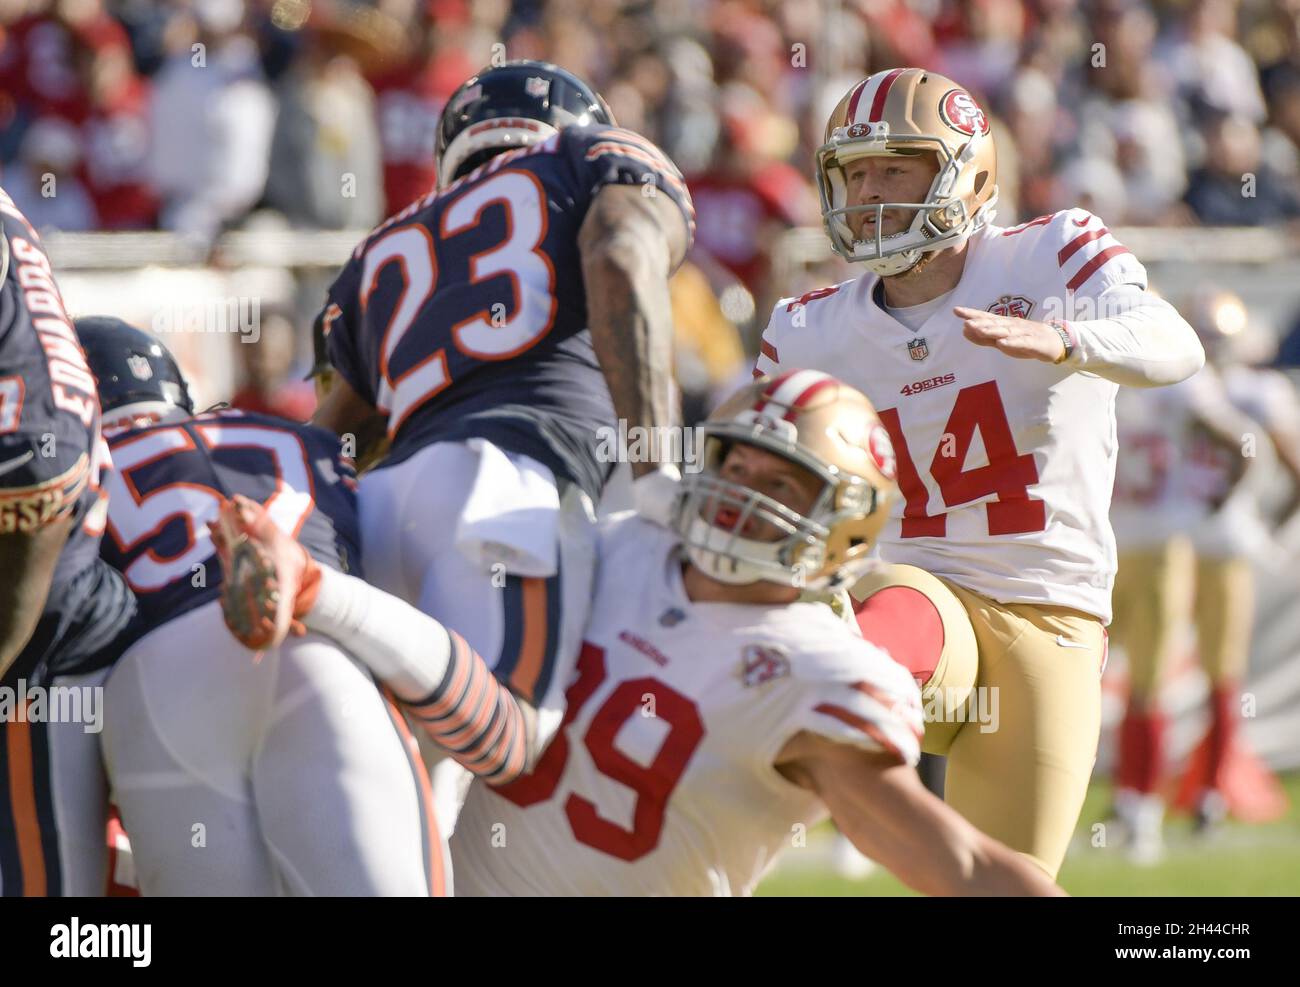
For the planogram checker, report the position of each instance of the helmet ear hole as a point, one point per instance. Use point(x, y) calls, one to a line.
point(980, 180)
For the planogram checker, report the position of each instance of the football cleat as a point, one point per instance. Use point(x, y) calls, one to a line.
point(1138, 820)
point(269, 583)
point(1147, 843)
point(1211, 812)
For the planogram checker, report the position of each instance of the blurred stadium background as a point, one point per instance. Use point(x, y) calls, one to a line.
point(215, 205)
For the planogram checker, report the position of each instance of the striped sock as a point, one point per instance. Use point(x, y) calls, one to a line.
point(431, 671)
point(474, 717)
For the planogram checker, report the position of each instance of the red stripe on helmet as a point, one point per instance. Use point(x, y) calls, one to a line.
point(772, 388)
point(853, 101)
point(808, 394)
point(882, 93)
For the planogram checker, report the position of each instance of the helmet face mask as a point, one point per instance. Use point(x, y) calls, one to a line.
point(513, 105)
point(911, 111)
point(737, 534)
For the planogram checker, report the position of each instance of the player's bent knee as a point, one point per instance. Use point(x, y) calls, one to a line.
point(912, 615)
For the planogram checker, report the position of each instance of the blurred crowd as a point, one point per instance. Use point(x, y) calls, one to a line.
point(190, 114)
point(193, 115)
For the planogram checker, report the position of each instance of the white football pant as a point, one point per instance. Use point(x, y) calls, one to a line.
point(291, 775)
point(484, 541)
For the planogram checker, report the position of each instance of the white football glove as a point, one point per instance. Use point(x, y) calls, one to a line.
point(653, 494)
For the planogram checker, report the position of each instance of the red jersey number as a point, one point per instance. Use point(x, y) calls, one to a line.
point(653, 785)
point(1007, 475)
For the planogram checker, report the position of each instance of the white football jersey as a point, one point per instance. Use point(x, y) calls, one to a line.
point(661, 781)
point(1265, 395)
point(1238, 528)
point(1005, 465)
point(1167, 476)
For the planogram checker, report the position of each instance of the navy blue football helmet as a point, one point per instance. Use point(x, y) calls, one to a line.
point(512, 105)
point(136, 374)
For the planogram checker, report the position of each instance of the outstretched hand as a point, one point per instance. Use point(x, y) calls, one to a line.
point(1023, 339)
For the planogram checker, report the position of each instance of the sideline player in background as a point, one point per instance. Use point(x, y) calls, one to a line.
point(993, 355)
point(714, 716)
point(60, 606)
point(487, 326)
point(300, 774)
point(1161, 499)
point(1237, 537)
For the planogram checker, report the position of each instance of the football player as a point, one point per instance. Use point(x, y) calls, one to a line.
point(59, 605)
point(1164, 493)
point(1237, 535)
point(486, 327)
point(213, 757)
point(993, 355)
point(713, 717)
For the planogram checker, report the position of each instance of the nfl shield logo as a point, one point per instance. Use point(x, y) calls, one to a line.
point(139, 367)
point(917, 349)
point(540, 88)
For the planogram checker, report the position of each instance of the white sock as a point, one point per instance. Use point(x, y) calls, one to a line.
point(440, 679)
point(407, 650)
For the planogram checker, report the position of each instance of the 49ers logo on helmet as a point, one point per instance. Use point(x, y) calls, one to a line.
point(882, 451)
point(960, 112)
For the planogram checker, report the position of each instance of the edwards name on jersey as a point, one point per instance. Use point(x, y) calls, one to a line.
point(168, 483)
point(51, 458)
point(466, 314)
point(1006, 481)
point(661, 779)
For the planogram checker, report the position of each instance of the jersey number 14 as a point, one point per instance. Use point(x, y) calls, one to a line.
point(1007, 475)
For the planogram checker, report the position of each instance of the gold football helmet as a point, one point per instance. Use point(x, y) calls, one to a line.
point(1223, 324)
point(904, 112)
point(821, 425)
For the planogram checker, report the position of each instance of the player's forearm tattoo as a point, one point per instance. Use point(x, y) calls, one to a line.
point(626, 264)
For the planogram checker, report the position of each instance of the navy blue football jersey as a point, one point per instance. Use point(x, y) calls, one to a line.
point(51, 456)
point(167, 483)
point(466, 314)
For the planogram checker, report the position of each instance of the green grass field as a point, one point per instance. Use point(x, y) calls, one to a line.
point(1233, 860)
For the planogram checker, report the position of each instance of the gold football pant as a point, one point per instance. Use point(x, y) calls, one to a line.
point(1153, 603)
point(1154, 590)
point(1225, 613)
point(1022, 744)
